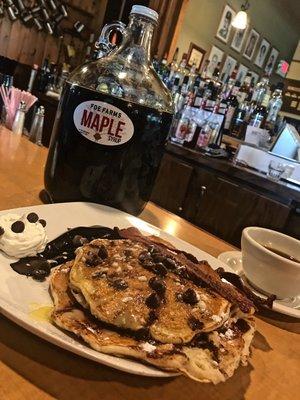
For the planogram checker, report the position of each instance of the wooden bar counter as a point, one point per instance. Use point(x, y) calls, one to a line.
point(31, 368)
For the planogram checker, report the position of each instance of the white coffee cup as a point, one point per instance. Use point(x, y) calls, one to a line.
point(267, 270)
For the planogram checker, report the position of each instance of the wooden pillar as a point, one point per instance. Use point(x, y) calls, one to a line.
point(171, 14)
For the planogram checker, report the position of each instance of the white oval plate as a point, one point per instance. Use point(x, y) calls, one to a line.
point(289, 307)
point(19, 294)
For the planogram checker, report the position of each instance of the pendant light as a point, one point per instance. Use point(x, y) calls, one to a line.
point(241, 19)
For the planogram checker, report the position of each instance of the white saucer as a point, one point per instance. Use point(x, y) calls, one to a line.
point(289, 306)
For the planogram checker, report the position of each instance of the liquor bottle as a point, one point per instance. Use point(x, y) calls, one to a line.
point(177, 130)
point(186, 124)
point(259, 114)
point(175, 90)
point(155, 63)
point(260, 90)
point(275, 104)
point(232, 104)
point(192, 76)
point(239, 121)
point(198, 92)
point(112, 124)
point(163, 70)
point(204, 135)
point(173, 68)
point(33, 74)
point(89, 47)
point(216, 73)
point(182, 70)
point(42, 81)
point(245, 89)
point(204, 72)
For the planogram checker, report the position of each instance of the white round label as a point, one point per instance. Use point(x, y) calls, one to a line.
point(103, 123)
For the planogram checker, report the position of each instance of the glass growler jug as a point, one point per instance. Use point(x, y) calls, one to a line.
point(112, 123)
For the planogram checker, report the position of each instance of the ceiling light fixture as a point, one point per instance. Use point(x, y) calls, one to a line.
point(241, 19)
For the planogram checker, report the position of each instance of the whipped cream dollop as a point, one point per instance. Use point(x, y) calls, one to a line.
point(21, 238)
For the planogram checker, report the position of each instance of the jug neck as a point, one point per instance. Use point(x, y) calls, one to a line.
point(136, 44)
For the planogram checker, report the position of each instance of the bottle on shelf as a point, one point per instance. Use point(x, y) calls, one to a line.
point(232, 104)
point(239, 121)
point(204, 72)
point(173, 68)
point(216, 73)
point(42, 80)
point(259, 114)
point(163, 70)
point(275, 104)
point(192, 76)
point(245, 90)
point(155, 62)
point(182, 70)
point(260, 90)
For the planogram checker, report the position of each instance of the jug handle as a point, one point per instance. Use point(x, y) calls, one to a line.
point(103, 43)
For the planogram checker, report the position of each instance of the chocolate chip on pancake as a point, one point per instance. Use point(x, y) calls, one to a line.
point(153, 301)
point(42, 222)
point(190, 296)
point(152, 317)
point(170, 263)
point(1, 231)
point(194, 323)
point(144, 255)
point(119, 284)
point(102, 252)
point(160, 269)
point(242, 325)
point(128, 253)
point(158, 285)
point(92, 259)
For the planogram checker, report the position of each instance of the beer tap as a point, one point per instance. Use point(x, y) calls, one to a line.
point(1, 9)
point(12, 10)
point(53, 5)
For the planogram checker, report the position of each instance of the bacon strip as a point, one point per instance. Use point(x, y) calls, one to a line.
point(197, 270)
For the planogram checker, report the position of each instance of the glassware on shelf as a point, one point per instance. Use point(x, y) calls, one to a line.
point(276, 170)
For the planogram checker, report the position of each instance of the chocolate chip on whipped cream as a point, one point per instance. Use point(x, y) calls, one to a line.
point(20, 237)
point(18, 227)
point(32, 217)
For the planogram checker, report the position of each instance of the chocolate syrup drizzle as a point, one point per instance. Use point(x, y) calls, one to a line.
point(61, 250)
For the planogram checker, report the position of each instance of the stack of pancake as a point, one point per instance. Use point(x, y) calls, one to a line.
point(139, 297)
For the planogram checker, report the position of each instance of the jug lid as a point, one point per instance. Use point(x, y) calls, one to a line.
point(146, 11)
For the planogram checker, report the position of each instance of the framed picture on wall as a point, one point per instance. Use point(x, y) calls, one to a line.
point(228, 67)
point(262, 53)
point(251, 44)
point(224, 27)
point(241, 73)
point(271, 61)
point(195, 56)
point(215, 56)
point(254, 77)
point(238, 39)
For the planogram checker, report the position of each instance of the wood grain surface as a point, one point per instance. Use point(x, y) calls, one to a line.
point(31, 368)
